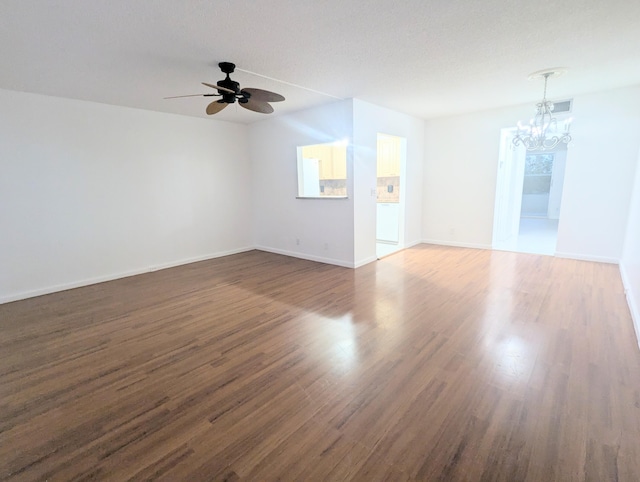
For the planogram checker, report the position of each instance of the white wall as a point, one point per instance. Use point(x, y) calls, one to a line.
point(599, 175)
point(90, 192)
point(460, 169)
point(461, 158)
point(324, 227)
point(369, 120)
point(630, 262)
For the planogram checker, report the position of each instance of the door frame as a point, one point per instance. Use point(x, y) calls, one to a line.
point(508, 196)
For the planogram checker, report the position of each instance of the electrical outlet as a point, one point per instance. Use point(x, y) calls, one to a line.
point(326, 246)
point(297, 241)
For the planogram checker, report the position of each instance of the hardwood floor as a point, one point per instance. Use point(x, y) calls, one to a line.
point(432, 364)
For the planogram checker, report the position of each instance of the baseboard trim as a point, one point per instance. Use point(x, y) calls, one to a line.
point(456, 244)
point(413, 243)
point(123, 274)
point(308, 257)
point(364, 261)
point(631, 301)
point(587, 257)
point(408, 245)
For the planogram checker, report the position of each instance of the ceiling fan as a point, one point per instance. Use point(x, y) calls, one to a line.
point(229, 91)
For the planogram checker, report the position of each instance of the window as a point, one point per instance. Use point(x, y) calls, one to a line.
point(322, 170)
point(537, 173)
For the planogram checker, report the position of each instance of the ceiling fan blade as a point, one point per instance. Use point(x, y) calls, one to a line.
point(257, 106)
point(215, 107)
point(190, 95)
point(263, 95)
point(223, 89)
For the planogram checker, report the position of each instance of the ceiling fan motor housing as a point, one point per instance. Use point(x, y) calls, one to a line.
point(228, 68)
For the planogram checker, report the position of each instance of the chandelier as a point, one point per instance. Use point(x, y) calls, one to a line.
point(542, 133)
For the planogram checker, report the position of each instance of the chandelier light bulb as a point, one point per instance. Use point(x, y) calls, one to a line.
point(542, 132)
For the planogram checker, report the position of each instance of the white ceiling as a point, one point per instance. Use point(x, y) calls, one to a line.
point(424, 57)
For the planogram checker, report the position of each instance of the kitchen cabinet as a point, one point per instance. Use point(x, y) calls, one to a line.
point(332, 160)
point(339, 162)
point(326, 167)
point(388, 156)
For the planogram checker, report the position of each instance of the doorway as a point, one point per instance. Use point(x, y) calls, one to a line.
point(528, 197)
point(390, 196)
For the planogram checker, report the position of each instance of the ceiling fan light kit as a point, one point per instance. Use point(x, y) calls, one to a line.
point(542, 133)
point(229, 91)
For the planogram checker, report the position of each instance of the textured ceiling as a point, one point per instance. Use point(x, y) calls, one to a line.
point(424, 57)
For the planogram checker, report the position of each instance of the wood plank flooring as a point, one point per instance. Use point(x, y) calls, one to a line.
point(434, 363)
